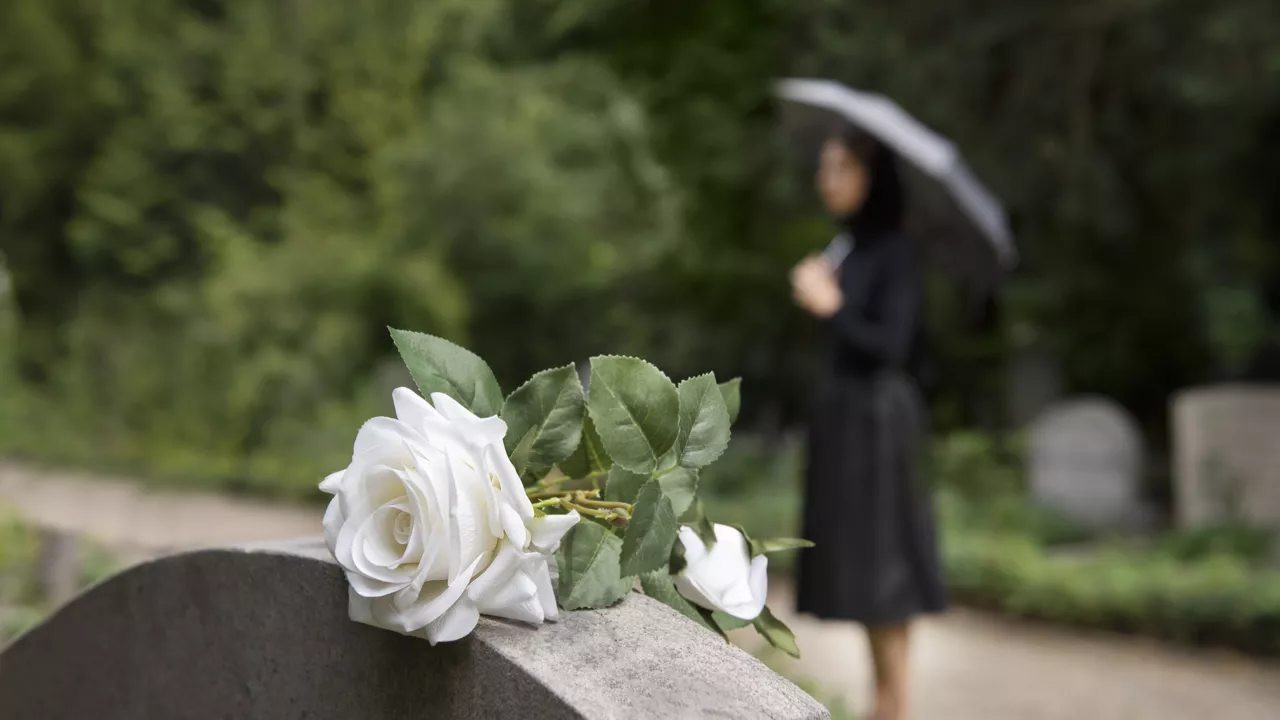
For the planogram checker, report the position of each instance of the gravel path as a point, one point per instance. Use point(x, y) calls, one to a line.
point(969, 666)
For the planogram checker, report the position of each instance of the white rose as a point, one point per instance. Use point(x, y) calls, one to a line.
point(432, 525)
point(727, 578)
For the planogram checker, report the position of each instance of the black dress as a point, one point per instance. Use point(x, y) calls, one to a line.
point(867, 509)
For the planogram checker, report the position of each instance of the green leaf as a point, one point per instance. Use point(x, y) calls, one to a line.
point(520, 456)
point(728, 622)
point(704, 422)
point(670, 460)
point(773, 545)
point(732, 393)
point(636, 410)
point(623, 485)
point(678, 562)
point(589, 570)
point(778, 634)
point(681, 487)
point(590, 458)
point(650, 532)
point(438, 365)
point(696, 518)
point(658, 585)
point(552, 406)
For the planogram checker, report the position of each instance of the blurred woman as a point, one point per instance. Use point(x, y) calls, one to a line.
point(866, 508)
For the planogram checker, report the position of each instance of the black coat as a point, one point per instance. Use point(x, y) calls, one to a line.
point(866, 507)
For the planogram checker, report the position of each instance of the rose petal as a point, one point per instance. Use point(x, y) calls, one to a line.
point(694, 548)
point(456, 624)
point(493, 502)
point(477, 431)
point(381, 485)
point(418, 608)
point(416, 412)
point(433, 523)
point(548, 530)
point(380, 544)
point(512, 489)
point(725, 578)
point(332, 481)
point(546, 590)
point(517, 600)
point(471, 536)
point(692, 592)
point(368, 487)
point(759, 583)
point(513, 527)
point(332, 523)
point(370, 555)
point(380, 434)
point(530, 611)
point(368, 587)
point(495, 577)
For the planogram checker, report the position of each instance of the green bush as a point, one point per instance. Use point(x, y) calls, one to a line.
point(1251, 543)
point(1218, 600)
point(1007, 514)
point(18, 549)
point(978, 465)
point(211, 216)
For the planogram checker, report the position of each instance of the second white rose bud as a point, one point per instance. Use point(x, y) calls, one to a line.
point(725, 578)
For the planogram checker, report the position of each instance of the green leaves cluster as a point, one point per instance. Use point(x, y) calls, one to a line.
point(637, 433)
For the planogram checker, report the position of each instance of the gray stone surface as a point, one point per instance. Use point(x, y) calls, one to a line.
point(1227, 454)
point(1086, 461)
point(263, 633)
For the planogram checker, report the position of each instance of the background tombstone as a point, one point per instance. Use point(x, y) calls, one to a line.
point(58, 566)
point(1086, 462)
point(1227, 454)
point(1033, 383)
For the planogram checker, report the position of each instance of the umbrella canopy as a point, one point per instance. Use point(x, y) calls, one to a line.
point(961, 226)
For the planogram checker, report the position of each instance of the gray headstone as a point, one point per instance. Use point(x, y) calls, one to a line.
point(58, 566)
point(264, 634)
point(1086, 460)
point(1034, 383)
point(1227, 454)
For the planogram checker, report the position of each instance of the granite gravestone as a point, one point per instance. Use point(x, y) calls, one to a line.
point(1086, 461)
point(264, 633)
point(1227, 454)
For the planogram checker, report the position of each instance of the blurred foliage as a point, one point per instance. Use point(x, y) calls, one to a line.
point(978, 465)
point(1007, 513)
point(20, 604)
point(18, 551)
point(211, 209)
point(1250, 543)
point(204, 287)
point(1218, 600)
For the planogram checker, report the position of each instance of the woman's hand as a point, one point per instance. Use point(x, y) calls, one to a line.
point(815, 288)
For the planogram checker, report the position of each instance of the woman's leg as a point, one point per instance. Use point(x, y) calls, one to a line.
point(889, 657)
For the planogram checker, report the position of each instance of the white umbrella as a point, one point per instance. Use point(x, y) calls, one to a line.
point(960, 224)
